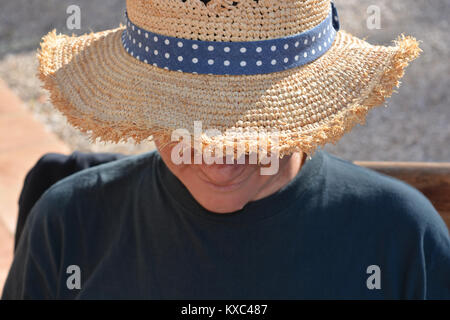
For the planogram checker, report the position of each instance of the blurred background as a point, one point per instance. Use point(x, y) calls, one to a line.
point(413, 127)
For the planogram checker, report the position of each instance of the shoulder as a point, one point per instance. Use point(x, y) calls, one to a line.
point(384, 197)
point(390, 218)
point(109, 173)
point(91, 189)
point(386, 209)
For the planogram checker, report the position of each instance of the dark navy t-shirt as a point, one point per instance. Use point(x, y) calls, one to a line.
point(132, 230)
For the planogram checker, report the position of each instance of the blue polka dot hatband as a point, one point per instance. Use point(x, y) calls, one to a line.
point(238, 67)
point(227, 57)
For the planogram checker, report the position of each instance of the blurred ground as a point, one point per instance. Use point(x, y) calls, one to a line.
point(415, 126)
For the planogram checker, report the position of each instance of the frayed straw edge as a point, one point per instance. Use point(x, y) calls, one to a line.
point(406, 49)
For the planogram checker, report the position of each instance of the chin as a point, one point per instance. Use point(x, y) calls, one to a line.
point(224, 204)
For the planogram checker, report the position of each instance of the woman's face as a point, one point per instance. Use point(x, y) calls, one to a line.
point(225, 188)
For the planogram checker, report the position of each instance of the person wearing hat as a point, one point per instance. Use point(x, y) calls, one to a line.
point(238, 202)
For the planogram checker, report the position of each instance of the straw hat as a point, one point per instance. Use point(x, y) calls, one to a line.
point(239, 67)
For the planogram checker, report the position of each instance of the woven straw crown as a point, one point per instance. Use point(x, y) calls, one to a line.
point(225, 20)
point(105, 91)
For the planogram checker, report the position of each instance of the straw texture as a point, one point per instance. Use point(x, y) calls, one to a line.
point(227, 20)
point(103, 90)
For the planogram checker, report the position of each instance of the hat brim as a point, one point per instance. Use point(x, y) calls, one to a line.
point(104, 91)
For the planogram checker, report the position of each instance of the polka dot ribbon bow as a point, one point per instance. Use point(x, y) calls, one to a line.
point(230, 58)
